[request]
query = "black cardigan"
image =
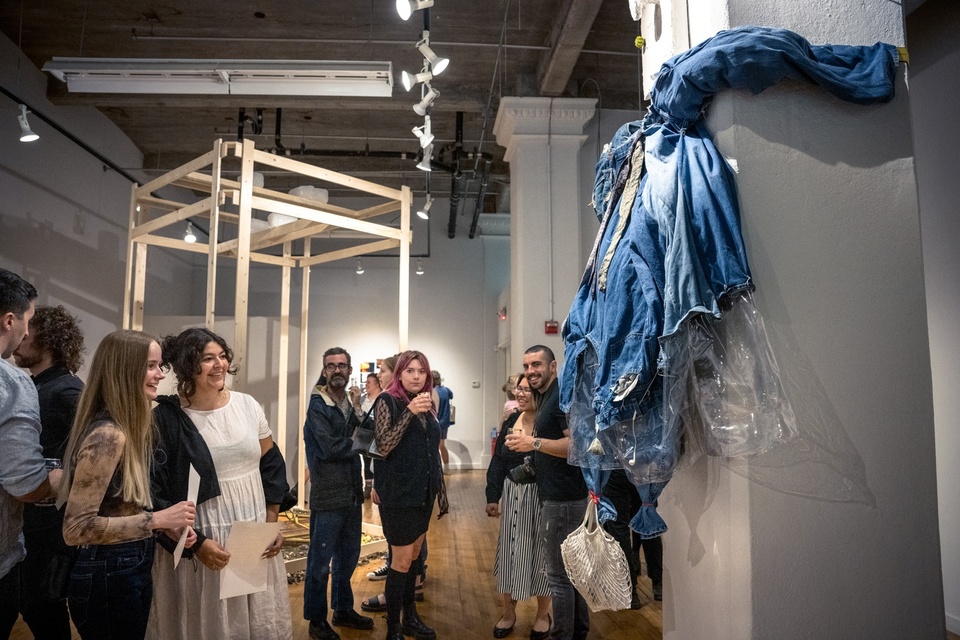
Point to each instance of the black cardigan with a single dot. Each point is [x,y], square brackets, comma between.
[502,460]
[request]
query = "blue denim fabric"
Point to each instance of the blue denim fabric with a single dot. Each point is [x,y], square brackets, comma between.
[110,590]
[682,250]
[756,58]
[571,616]
[334,546]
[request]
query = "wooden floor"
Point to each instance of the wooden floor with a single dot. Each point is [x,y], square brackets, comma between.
[461,600]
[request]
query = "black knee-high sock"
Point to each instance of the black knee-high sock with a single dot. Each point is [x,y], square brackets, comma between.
[410,589]
[395,593]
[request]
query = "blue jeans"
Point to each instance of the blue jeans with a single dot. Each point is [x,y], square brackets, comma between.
[110,590]
[334,541]
[571,617]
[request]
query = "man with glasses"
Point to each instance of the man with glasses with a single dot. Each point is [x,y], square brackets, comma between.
[336,499]
[563,493]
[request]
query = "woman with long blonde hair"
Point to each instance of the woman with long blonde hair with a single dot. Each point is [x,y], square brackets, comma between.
[106,488]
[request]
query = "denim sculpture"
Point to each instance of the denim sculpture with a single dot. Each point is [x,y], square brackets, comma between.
[669,263]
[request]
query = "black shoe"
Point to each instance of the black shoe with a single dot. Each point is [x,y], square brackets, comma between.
[658,591]
[352,619]
[374,604]
[542,635]
[414,626]
[502,632]
[635,600]
[380,573]
[322,631]
[395,632]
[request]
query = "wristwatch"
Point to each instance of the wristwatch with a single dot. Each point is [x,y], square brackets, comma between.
[537,443]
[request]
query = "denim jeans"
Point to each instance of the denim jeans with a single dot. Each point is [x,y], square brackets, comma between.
[334,542]
[571,617]
[110,590]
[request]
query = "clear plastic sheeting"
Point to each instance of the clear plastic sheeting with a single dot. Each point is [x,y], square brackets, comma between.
[737,400]
[718,391]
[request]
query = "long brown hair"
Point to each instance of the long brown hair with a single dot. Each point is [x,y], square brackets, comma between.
[114,392]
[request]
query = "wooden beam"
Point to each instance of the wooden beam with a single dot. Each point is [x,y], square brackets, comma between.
[326,218]
[210,306]
[350,252]
[569,32]
[201,207]
[404,296]
[128,270]
[284,360]
[172,176]
[304,387]
[289,164]
[242,293]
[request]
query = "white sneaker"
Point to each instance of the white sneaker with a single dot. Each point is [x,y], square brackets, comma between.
[379,574]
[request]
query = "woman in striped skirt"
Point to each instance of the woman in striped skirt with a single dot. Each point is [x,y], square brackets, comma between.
[520,566]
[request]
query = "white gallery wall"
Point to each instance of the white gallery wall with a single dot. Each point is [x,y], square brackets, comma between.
[934,93]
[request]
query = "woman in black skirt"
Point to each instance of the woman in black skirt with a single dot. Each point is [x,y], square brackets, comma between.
[408,480]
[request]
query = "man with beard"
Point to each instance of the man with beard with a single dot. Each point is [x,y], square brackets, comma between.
[53,352]
[23,475]
[336,499]
[563,493]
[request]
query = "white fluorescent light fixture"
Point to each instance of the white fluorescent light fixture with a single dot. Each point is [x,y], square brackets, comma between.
[437,64]
[26,134]
[421,107]
[189,236]
[424,133]
[409,79]
[425,211]
[406,7]
[225,77]
[419,268]
[424,164]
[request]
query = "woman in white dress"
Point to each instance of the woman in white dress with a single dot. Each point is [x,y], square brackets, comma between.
[223,434]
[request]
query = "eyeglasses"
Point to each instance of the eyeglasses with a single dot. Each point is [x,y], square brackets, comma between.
[523,390]
[339,366]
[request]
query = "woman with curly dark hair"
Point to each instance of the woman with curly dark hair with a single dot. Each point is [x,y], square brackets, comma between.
[223,434]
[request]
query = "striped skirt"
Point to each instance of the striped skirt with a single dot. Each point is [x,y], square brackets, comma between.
[521,566]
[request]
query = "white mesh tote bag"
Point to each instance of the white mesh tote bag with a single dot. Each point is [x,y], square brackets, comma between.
[596,564]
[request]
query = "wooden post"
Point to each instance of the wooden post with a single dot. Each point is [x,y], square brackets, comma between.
[304,384]
[241,305]
[284,353]
[214,238]
[404,302]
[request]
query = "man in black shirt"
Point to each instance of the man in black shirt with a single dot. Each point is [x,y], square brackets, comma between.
[563,493]
[53,352]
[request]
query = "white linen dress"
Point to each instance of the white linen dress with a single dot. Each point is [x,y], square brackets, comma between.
[186,601]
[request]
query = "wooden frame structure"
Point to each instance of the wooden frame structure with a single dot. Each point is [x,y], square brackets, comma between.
[150,214]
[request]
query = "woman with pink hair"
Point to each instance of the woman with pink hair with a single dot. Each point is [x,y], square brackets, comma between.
[409,479]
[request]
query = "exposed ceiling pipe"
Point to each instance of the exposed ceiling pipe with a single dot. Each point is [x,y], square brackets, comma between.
[484,180]
[276,132]
[456,185]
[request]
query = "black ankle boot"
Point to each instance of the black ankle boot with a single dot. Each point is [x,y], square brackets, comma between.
[414,626]
[395,632]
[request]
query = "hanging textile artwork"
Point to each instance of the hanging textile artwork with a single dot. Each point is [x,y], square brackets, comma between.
[664,349]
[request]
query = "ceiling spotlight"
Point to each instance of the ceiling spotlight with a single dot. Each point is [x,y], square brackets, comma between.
[26,135]
[406,7]
[437,64]
[419,268]
[424,133]
[424,164]
[359,267]
[189,235]
[421,107]
[425,211]
[409,79]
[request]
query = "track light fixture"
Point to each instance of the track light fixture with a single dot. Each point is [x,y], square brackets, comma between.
[419,268]
[410,79]
[26,134]
[189,236]
[437,64]
[424,164]
[359,267]
[406,7]
[425,211]
[424,133]
[421,107]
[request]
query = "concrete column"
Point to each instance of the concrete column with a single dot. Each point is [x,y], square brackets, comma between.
[543,138]
[831,224]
